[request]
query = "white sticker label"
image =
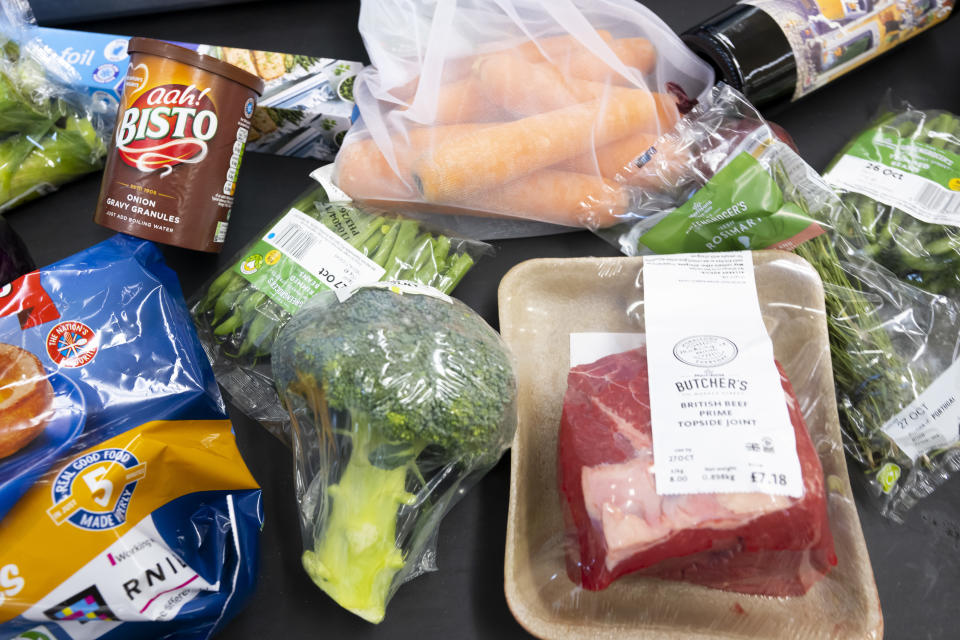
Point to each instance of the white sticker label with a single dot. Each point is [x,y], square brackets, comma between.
[138,577]
[717,408]
[920,197]
[320,251]
[399,287]
[220,235]
[324,175]
[932,421]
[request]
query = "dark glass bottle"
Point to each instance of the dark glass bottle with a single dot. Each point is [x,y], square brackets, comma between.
[774,50]
[749,51]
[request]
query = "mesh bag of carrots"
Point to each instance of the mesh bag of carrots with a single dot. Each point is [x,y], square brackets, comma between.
[723,180]
[313,246]
[523,109]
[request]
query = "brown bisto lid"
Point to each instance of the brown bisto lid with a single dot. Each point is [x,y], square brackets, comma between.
[186,56]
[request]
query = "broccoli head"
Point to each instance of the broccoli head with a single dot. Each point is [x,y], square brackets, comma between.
[416,392]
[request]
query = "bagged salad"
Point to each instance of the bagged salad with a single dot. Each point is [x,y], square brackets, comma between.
[518,108]
[723,181]
[900,178]
[313,246]
[125,508]
[50,132]
[400,398]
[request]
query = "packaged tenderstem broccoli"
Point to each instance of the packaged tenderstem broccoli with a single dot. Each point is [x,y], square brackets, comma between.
[900,178]
[50,132]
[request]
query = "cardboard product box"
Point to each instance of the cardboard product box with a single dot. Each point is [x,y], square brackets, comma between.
[306,107]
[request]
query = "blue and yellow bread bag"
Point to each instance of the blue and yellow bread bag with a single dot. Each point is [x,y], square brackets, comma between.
[126,510]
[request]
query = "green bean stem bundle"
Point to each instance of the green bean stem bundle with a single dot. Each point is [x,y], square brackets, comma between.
[245,321]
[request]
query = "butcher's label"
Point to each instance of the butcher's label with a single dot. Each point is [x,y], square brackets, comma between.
[300,256]
[917,176]
[717,407]
[930,421]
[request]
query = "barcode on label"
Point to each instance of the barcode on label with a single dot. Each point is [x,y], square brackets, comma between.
[329,261]
[294,240]
[914,194]
[934,197]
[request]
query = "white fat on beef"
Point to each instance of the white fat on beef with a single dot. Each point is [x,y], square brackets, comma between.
[622,497]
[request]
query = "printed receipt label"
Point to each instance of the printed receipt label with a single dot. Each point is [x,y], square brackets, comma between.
[718,409]
[930,421]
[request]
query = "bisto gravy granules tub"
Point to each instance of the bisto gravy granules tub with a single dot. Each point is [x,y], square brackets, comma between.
[177,145]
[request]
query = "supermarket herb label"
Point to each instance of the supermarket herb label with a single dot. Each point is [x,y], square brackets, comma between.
[931,421]
[741,208]
[919,178]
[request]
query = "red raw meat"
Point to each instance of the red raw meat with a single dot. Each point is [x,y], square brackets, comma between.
[746,542]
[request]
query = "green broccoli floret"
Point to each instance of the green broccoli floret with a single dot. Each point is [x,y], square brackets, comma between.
[424,387]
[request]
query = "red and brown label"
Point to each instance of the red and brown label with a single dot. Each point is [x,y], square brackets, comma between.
[177,145]
[167,126]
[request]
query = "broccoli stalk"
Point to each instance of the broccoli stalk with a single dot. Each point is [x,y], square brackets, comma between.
[410,394]
[357,559]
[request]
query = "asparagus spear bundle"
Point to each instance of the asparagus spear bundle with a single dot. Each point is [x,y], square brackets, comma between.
[239,316]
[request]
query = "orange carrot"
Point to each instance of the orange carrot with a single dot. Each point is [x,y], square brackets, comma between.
[560,197]
[521,87]
[612,160]
[364,173]
[667,113]
[637,53]
[456,69]
[554,47]
[480,160]
[464,101]
[524,88]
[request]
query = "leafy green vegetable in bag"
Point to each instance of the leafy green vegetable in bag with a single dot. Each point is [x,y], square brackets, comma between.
[47,136]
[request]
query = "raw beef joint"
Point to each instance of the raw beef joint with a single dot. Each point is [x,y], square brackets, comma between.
[747,542]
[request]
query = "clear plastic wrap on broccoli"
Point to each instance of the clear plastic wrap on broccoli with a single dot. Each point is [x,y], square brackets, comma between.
[399,401]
